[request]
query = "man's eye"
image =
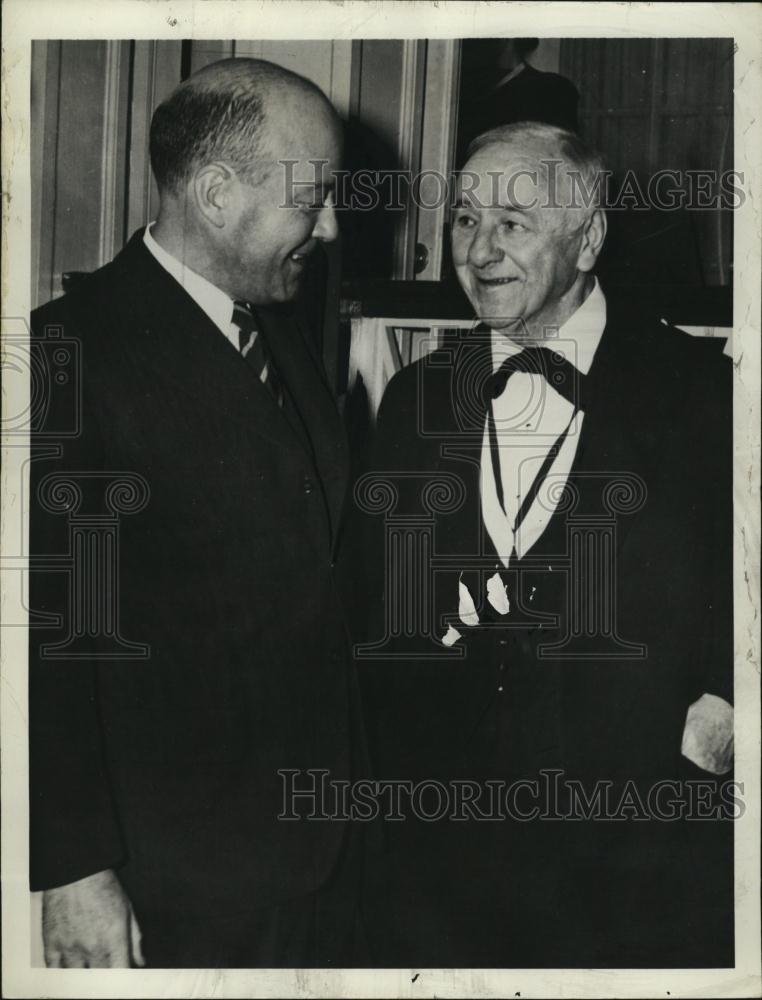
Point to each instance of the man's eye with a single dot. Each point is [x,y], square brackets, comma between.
[513,226]
[464,222]
[313,207]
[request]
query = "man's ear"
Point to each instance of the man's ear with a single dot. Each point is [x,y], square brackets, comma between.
[212,192]
[593,236]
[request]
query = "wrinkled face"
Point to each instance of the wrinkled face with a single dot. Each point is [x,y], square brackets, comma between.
[279,217]
[516,255]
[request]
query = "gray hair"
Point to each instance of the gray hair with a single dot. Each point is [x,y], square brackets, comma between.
[219,113]
[581,160]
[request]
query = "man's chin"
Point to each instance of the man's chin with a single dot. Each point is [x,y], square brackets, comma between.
[496,313]
[503,321]
[287,293]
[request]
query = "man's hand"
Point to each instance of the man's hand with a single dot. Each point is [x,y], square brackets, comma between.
[89,924]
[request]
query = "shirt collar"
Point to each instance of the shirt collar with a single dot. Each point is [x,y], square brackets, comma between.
[584,328]
[510,75]
[217,305]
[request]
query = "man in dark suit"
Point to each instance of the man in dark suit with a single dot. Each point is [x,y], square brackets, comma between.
[188,642]
[567,633]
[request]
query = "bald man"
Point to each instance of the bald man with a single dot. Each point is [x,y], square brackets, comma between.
[158,731]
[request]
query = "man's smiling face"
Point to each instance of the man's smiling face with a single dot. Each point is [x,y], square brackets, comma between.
[278,221]
[516,257]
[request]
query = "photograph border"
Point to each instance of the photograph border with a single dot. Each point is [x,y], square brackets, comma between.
[25,20]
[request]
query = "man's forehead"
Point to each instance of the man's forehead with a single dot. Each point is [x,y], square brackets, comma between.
[300,136]
[513,158]
[505,172]
[306,157]
[522,152]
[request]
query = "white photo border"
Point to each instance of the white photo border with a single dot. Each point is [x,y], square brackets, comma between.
[24,20]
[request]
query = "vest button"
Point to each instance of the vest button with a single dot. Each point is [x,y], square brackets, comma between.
[308,486]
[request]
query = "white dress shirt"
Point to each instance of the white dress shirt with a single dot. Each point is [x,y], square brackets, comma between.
[529,417]
[217,305]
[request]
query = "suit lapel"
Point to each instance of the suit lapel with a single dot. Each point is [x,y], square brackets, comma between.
[625,417]
[453,407]
[313,402]
[187,350]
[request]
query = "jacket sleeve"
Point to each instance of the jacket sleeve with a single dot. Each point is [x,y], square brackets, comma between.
[73,826]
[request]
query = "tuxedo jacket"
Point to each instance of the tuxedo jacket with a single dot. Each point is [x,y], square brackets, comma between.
[173,677]
[592,678]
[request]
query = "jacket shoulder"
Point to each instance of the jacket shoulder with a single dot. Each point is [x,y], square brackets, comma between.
[92,294]
[689,357]
[427,380]
[685,379]
[673,348]
[110,289]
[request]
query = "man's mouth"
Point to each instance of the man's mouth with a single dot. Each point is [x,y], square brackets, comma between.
[302,254]
[494,281]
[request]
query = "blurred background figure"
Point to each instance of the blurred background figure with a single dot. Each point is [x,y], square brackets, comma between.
[499,86]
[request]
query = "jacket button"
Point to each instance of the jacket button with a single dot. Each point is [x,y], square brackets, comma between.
[308,485]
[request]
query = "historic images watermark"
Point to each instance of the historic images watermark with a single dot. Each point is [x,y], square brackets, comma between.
[90,503]
[585,624]
[312,795]
[555,185]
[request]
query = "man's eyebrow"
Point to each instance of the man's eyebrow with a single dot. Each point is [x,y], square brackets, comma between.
[475,203]
[307,187]
[521,209]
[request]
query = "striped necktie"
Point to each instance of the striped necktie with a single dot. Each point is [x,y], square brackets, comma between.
[251,344]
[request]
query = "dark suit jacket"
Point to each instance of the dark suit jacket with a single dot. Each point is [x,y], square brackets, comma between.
[655,460]
[164,764]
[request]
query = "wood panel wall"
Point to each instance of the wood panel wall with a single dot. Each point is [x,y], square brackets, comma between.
[663,103]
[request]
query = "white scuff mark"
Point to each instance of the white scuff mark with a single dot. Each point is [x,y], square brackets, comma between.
[451,636]
[708,734]
[497,594]
[466,607]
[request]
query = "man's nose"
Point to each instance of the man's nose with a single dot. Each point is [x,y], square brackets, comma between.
[484,247]
[326,228]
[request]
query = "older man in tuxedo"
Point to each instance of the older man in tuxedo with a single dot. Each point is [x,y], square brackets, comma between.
[172,680]
[575,634]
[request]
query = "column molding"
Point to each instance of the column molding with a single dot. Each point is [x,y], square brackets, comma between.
[440,119]
[113,165]
[409,147]
[155,73]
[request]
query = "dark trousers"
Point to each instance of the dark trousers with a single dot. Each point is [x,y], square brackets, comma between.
[319,930]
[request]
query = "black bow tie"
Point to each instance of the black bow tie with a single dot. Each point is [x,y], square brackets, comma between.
[559,373]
